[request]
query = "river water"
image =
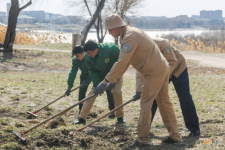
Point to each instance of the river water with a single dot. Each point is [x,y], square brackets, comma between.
[108,38]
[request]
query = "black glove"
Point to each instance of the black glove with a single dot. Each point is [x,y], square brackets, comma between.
[110,86]
[137,96]
[99,90]
[84,83]
[68,91]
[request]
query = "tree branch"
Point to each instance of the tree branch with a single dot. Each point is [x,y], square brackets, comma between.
[101,27]
[104,34]
[85,1]
[97,30]
[29,3]
[91,22]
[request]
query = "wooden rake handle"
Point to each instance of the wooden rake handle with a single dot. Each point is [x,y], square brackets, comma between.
[54,101]
[79,130]
[59,114]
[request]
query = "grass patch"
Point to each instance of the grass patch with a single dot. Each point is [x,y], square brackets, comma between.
[53,46]
[5,109]
[11,145]
[48,113]
[3,122]
[39,84]
[48,108]
[15,97]
[23,92]
[9,128]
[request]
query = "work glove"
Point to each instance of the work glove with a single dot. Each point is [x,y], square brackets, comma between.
[99,90]
[84,83]
[137,96]
[110,86]
[68,91]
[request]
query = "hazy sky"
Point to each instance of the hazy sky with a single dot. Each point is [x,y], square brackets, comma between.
[169,8]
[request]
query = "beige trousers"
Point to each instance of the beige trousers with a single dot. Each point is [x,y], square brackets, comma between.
[117,96]
[156,87]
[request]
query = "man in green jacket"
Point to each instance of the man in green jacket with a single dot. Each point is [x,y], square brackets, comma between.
[85,79]
[99,59]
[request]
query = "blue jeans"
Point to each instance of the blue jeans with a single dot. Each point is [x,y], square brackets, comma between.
[181,85]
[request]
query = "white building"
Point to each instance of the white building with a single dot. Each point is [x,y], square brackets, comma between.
[212,15]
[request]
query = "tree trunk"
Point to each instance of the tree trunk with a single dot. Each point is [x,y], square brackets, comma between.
[75,41]
[98,27]
[89,25]
[11,30]
[12,21]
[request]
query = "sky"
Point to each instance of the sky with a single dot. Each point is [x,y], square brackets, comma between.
[168,8]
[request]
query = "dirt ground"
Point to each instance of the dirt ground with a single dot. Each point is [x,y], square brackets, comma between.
[206,59]
[31,79]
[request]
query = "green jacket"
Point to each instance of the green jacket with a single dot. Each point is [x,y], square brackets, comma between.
[72,75]
[100,65]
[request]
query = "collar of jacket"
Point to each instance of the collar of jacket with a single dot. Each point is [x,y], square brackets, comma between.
[122,33]
[100,51]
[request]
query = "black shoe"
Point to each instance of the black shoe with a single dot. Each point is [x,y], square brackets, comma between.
[195,133]
[121,120]
[150,134]
[137,144]
[135,132]
[80,121]
[112,115]
[169,141]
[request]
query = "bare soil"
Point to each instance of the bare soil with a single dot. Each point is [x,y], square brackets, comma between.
[32,79]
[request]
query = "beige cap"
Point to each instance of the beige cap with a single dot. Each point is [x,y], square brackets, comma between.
[113,21]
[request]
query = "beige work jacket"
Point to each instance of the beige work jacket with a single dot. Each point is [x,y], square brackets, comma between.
[139,50]
[174,57]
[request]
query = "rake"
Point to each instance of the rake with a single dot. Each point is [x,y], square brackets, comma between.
[34,113]
[79,130]
[19,135]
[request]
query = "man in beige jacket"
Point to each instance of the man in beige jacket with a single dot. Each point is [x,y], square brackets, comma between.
[139,50]
[179,78]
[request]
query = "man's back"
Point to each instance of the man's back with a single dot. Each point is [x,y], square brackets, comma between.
[181,64]
[147,56]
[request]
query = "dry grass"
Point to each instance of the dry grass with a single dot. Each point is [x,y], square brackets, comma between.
[46,46]
[22,90]
[198,45]
[208,41]
[24,38]
[21,38]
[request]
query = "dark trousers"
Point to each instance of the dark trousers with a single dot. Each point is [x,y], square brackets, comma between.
[110,100]
[181,85]
[82,93]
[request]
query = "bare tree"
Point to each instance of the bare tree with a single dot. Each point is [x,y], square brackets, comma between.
[120,7]
[85,4]
[12,22]
[98,24]
[94,17]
